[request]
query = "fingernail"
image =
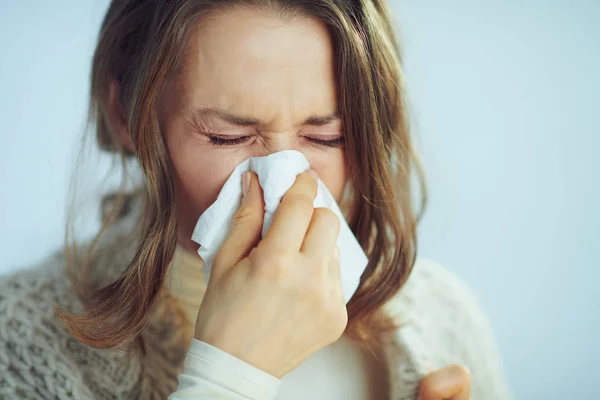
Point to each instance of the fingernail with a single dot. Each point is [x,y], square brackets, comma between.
[245,183]
[312,173]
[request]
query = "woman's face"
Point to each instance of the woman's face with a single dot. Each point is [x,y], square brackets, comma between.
[252,84]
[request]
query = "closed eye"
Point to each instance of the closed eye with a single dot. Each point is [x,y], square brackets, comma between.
[337,142]
[222,141]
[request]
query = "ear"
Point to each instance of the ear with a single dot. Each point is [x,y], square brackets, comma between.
[116,117]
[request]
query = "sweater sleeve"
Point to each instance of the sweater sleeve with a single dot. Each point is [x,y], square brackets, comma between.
[211,373]
[445,324]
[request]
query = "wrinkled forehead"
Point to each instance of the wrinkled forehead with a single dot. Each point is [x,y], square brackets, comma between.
[251,62]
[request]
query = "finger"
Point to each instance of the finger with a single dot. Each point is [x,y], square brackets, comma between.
[322,233]
[293,216]
[321,241]
[450,383]
[245,231]
[335,272]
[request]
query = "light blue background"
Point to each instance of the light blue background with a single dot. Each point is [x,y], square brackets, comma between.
[506,104]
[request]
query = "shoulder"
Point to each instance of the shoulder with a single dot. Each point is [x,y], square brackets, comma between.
[442,323]
[38,357]
[32,340]
[434,293]
[33,289]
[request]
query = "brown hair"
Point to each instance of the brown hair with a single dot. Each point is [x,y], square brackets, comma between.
[142,42]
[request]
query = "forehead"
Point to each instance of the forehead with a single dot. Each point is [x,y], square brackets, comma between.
[253,62]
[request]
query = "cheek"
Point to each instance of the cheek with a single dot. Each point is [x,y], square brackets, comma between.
[201,178]
[331,169]
[200,173]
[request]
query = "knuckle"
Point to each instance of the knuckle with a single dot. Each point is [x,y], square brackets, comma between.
[329,217]
[268,265]
[246,215]
[303,204]
[255,256]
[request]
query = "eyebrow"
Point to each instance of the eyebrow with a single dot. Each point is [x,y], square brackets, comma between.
[316,120]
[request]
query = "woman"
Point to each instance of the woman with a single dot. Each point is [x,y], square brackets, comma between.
[190,89]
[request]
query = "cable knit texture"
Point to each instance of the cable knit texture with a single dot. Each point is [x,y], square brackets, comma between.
[442,324]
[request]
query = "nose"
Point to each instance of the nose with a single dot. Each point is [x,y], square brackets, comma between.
[274,142]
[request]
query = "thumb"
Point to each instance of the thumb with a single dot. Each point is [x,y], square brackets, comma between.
[246,228]
[450,383]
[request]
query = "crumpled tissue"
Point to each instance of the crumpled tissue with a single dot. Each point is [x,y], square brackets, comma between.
[276,173]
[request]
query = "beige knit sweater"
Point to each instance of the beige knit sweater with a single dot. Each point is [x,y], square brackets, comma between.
[442,324]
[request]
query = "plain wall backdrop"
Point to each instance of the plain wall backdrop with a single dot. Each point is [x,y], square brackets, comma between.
[505,101]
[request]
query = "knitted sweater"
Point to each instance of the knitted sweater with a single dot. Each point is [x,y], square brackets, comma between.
[442,323]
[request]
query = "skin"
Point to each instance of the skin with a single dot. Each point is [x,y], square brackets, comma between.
[267,85]
[232,63]
[449,383]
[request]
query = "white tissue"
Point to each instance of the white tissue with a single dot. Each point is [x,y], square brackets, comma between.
[276,173]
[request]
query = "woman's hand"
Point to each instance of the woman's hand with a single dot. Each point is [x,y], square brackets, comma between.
[450,383]
[274,302]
